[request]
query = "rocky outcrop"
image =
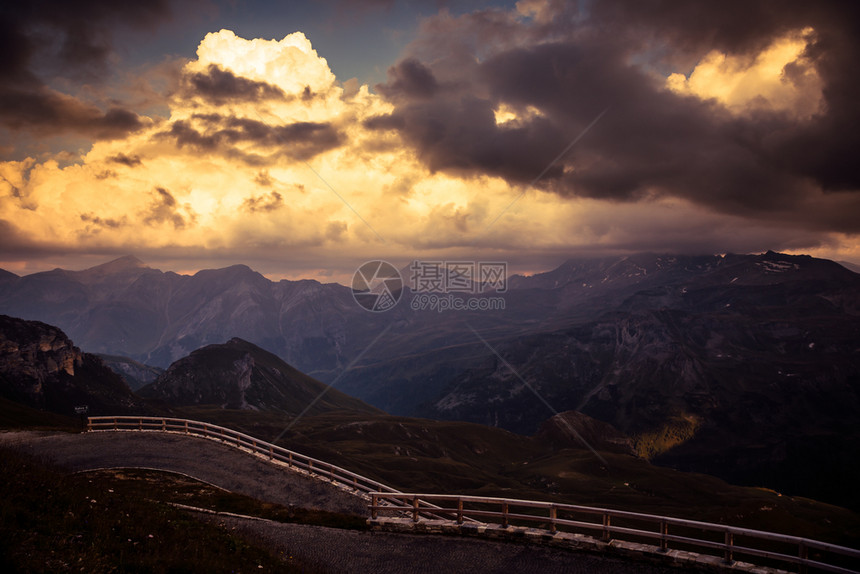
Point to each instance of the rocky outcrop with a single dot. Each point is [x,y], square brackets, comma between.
[41,368]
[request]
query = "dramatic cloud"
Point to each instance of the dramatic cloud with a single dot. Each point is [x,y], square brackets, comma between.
[739,132]
[163,209]
[71,40]
[301,140]
[524,135]
[126,160]
[409,79]
[46,111]
[269,202]
[220,86]
[819,148]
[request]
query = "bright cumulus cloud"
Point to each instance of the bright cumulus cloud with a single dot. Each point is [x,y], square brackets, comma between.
[778,78]
[264,155]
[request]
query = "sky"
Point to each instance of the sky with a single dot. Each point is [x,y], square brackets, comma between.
[303,139]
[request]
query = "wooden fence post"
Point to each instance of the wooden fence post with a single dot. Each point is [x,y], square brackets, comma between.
[505,514]
[606,524]
[553,515]
[664,531]
[459,510]
[374,502]
[414,509]
[729,542]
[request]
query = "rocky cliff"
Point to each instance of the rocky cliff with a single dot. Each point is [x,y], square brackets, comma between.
[41,368]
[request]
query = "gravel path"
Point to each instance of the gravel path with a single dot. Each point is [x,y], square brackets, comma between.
[203,459]
[326,550]
[335,550]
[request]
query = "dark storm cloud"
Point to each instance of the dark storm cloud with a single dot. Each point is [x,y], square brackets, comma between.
[77,32]
[651,142]
[96,223]
[214,132]
[734,26]
[219,86]
[45,111]
[69,39]
[823,150]
[126,160]
[263,203]
[409,78]
[17,244]
[164,210]
[264,179]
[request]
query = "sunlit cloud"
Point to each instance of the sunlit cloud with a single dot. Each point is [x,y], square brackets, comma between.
[778,78]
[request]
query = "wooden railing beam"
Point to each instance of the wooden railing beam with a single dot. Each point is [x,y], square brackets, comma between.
[454,506]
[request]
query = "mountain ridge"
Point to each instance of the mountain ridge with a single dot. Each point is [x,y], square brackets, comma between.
[239,375]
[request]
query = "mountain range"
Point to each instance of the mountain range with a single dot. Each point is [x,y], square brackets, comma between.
[238,385]
[744,366]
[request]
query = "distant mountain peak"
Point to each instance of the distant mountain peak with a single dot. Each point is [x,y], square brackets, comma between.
[241,375]
[117,265]
[121,266]
[123,263]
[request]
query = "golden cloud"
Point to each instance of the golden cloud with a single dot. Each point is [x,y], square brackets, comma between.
[778,78]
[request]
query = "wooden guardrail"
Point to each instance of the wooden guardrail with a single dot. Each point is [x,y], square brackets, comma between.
[292,459]
[607,524]
[197,428]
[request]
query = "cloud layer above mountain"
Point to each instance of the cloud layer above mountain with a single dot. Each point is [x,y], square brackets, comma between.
[524,134]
